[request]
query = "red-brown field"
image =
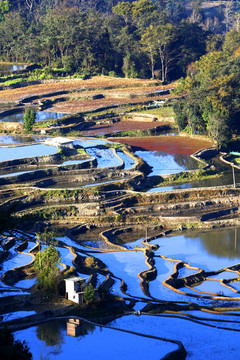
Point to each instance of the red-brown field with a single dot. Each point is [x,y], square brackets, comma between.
[99,130]
[170,144]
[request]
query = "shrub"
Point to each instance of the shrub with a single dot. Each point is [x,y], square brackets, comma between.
[89,294]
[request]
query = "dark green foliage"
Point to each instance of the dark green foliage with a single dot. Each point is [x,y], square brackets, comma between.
[70,41]
[212,95]
[77,37]
[89,294]
[46,268]
[11,349]
[180,114]
[29,119]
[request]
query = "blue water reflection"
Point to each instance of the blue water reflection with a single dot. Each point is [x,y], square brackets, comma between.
[50,341]
[163,163]
[40,116]
[21,152]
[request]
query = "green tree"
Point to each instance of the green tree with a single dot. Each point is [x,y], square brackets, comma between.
[4,8]
[46,267]
[29,119]
[123,9]
[89,294]
[211,97]
[14,39]
[165,35]
[231,43]
[148,41]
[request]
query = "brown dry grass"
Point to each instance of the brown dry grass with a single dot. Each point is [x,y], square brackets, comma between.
[96,82]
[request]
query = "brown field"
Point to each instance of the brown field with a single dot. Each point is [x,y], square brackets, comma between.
[97,82]
[79,105]
[99,130]
[170,144]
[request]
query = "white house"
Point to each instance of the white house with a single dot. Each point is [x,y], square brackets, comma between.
[60,142]
[75,289]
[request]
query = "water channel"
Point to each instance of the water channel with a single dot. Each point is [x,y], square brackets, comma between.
[8,67]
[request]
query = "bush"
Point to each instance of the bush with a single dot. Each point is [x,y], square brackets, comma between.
[89,294]
[112,74]
[29,119]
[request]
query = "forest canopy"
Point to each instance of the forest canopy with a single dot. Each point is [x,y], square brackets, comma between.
[144,38]
[212,93]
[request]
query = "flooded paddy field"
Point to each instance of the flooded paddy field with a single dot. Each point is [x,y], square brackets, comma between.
[18,139]
[163,163]
[175,288]
[210,251]
[172,145]
[22,152]
[10,67]
[40,116]
[54,340]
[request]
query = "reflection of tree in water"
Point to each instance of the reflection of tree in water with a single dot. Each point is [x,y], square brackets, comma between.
[52,333]
[86,328]
[224,243]
[160,153]
[186,161]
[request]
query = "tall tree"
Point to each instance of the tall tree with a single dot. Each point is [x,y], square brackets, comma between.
[46,268]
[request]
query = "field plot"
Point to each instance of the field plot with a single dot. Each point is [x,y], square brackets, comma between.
[168,144]
[98,82]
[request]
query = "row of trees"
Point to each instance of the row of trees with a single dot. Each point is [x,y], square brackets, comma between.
[211,104]
[138,39]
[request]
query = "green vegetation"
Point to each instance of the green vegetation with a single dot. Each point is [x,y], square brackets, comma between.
[144,38]
[212,90]
[51,213]
[46,267]
[47,237]
[89,294]
[29,119]
[82,152]
[160,112]
[184,177]
[91,262]
[235,159]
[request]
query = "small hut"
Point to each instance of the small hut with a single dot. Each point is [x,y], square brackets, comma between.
[75,289]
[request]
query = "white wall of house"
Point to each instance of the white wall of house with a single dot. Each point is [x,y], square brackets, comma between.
[73,290]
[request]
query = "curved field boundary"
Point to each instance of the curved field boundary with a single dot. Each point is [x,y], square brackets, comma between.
[112,246]
[147,275]
[228,162]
